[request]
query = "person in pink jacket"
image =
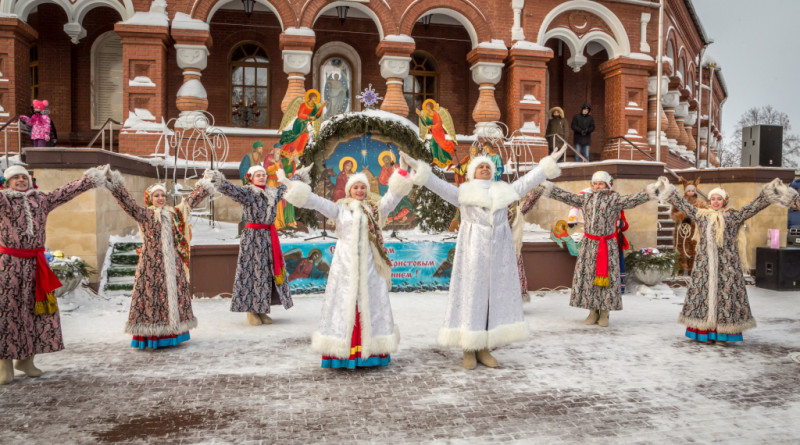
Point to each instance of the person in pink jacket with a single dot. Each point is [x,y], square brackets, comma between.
[40,124]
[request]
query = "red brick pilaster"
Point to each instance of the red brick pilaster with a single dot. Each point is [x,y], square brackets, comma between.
[16,37]
[625,106]
[526,74]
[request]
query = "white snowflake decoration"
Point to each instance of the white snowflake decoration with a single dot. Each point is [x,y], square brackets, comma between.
[369,97]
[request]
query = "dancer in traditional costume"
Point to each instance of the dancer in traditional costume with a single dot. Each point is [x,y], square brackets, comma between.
[161,304]
[716,306]
[260,273]
[596,283]
[29,319]
[357,327]
[484,313]
[685,228]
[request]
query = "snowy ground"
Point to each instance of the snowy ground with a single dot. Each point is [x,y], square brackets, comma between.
[637,381]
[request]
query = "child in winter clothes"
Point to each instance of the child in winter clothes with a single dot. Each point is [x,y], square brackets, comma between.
[716,306]
[483,314]
[356,328]
[40,124]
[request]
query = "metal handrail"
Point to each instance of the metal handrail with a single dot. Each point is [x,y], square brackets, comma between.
[677,176]
[567,144]
[5,135]
[100,133]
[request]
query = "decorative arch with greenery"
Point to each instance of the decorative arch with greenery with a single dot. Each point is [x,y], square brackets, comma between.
[435,214]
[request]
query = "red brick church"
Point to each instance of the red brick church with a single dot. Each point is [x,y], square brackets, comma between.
[143,63]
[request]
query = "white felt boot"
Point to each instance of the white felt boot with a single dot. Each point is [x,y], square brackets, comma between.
[265,318]
[592,318]
[6,371]
[253,319]
[603,320]
[486,358]
[27,367]
[470,362]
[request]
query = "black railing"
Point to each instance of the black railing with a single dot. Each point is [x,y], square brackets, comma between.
[101,133]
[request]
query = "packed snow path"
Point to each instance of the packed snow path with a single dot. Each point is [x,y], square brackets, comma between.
[639,380]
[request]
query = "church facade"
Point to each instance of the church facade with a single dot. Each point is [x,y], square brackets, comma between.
[144,63]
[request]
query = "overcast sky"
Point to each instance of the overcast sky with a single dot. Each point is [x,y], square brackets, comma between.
[756,43]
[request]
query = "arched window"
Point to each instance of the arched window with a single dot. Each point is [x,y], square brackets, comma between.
[106,79]
[671,51]
[682,70]
[422,82]
[690,83]
[249,86]
[336,85]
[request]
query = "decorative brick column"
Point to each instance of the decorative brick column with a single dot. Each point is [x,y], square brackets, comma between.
[526,74]
[688,122]
[16,37]
[653,114]
[192,40]
[144,87]
[625,113]
[296,50]
[395,57]
[670,101]
[487,69]
[681,111]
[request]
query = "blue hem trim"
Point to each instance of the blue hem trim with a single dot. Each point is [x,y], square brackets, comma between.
[160,343]
[357,363]
[713,336]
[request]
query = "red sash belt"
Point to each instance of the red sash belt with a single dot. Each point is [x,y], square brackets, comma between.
[277,254]
[601,264]
[46,280]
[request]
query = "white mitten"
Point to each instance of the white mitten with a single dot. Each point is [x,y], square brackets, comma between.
[282,177]
[409,161]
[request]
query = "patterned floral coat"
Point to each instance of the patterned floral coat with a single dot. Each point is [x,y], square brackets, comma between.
[254,288]
[161,303]
[24,216]
[601,211]
[716,298]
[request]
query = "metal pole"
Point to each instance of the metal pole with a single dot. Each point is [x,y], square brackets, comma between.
[659,74]
[103,138]
[711,69]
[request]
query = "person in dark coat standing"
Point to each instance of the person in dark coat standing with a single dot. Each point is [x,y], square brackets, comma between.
[583,126]
[557,125]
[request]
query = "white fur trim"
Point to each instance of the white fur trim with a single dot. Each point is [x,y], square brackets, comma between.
[355,177]
[297,193]
[332,346]
[499,196]
[385,344]
[602,176]
[96,175]
[153,188]
[550,167]
[207,185]
[399,184]
[779,194]
[477,340]
[170,272]
[116,181]
[421,173]
[475,162]
[718,191]
[251,171]
[154,330]
[15,170]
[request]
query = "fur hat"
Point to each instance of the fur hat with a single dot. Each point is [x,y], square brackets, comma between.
[475,162]
[721,192]
[355,177]
[15,170]
[148,194]
[256,168]
[603,176]
[40,104]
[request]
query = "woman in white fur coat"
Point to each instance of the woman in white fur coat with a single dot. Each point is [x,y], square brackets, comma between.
[356,328]
[484,309]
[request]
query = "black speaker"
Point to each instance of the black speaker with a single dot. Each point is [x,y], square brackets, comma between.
[762,145]
[778,269]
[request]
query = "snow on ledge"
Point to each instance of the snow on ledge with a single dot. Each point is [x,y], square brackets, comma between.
[399,38]
[141,81]
[494,44]
[302,31]
[239,131]
[184,21]
[641,56]
[524,44]
[156,16]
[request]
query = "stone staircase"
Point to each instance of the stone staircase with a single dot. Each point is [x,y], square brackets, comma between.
[666,228]
[121,268]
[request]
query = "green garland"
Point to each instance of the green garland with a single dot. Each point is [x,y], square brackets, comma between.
[435,214]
